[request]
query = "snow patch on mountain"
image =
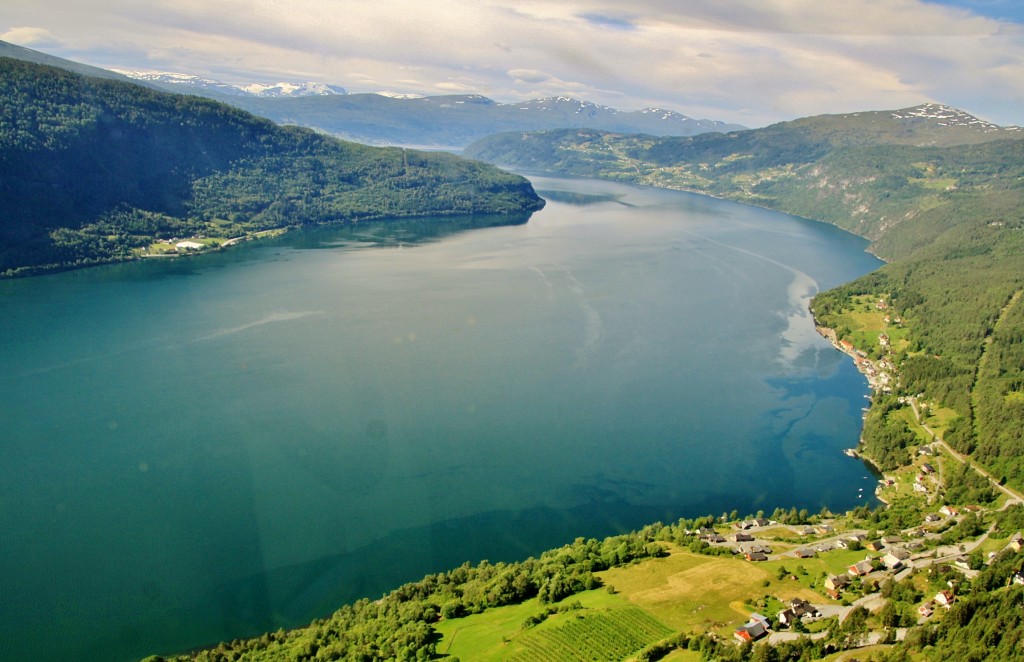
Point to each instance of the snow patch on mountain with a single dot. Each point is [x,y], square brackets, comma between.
[284,89]
[391,94]
[179,80]
[946,116]
[184,82]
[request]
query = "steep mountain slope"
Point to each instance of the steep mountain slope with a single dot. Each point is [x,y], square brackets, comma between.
[866,172]
[29,55]
[93,170]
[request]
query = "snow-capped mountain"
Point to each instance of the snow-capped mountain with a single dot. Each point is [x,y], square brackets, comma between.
[449,120]
[189,83]
[179,82]
[292,89]
[949,116]
[391,94]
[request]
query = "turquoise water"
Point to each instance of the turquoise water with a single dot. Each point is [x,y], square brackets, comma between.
[203,449]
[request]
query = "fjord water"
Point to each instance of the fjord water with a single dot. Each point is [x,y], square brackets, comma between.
[203,449]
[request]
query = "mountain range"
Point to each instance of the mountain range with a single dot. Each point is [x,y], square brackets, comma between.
[857,170]
[395,118]
[191,84]
[454,121]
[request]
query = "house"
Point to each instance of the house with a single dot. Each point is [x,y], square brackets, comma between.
[1016,542]
[892,540]
[753,630]
[743,537]
[756,556]
[874,545]
[802,607]
[803,553]
[760,548]
[895,558]
[834,593]
[750,632]
[860,569]
[945,598]
[716,537]
[787,617]
[751,523]
[927,609]
[932,517]
[824,529]
[949,511]
[927,468]
[806,531]
[962,563]
[1018,578]
[891,562]
[836,582]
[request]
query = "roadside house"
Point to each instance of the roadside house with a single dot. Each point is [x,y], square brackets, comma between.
[754,629]
[836,582]
[860,569]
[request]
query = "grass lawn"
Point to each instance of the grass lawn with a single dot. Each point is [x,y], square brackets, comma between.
[907,414]
[856,654]
[682,656]
[690,592]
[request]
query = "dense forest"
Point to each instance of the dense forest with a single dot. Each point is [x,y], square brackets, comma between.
[96,170]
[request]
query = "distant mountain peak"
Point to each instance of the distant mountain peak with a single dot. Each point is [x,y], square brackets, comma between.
[180,82]
[943,115]
[284,89]
[391,94]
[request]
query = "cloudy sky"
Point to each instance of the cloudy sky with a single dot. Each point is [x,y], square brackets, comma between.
[747,61]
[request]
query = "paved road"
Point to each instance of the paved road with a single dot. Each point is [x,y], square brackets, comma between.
[1013,495]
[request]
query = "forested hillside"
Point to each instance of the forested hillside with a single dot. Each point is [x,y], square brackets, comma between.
[96,170]
[941,196]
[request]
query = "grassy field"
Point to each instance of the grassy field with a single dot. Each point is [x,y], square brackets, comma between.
[493,634]
[609,634]
[696,593]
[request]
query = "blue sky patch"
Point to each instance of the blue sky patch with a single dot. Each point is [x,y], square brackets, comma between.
[1004,10]
[617,22]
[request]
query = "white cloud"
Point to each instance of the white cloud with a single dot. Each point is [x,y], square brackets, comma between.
[528,75]
[31,37]
[752,61]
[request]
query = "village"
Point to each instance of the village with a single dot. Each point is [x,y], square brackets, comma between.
[916,555]
[886,558]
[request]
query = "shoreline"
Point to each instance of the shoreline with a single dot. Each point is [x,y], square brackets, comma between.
[858,362]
